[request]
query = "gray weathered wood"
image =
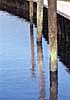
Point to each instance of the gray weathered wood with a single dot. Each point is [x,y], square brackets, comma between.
[39,19]
[52,33]
[31,10]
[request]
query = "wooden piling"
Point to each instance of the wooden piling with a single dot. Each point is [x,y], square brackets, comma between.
[52,33]
[52,29]
[39,19]
[31,11]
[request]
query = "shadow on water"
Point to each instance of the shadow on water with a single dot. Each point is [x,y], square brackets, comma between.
[64,41]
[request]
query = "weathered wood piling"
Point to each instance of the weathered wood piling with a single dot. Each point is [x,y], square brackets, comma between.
[31,11]
[52,33]
[39,19]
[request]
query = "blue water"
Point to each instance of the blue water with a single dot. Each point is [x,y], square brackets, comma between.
[16,80]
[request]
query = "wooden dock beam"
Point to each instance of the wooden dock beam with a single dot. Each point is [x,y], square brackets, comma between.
[39,19]
[52,29]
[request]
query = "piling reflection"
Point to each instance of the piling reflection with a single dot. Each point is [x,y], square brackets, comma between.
[32,48]
[53,86]
[41,73]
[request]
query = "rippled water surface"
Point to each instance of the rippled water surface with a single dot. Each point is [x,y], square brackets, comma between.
[21,76]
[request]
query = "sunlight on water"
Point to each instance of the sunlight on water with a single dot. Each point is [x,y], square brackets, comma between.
[20,78]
